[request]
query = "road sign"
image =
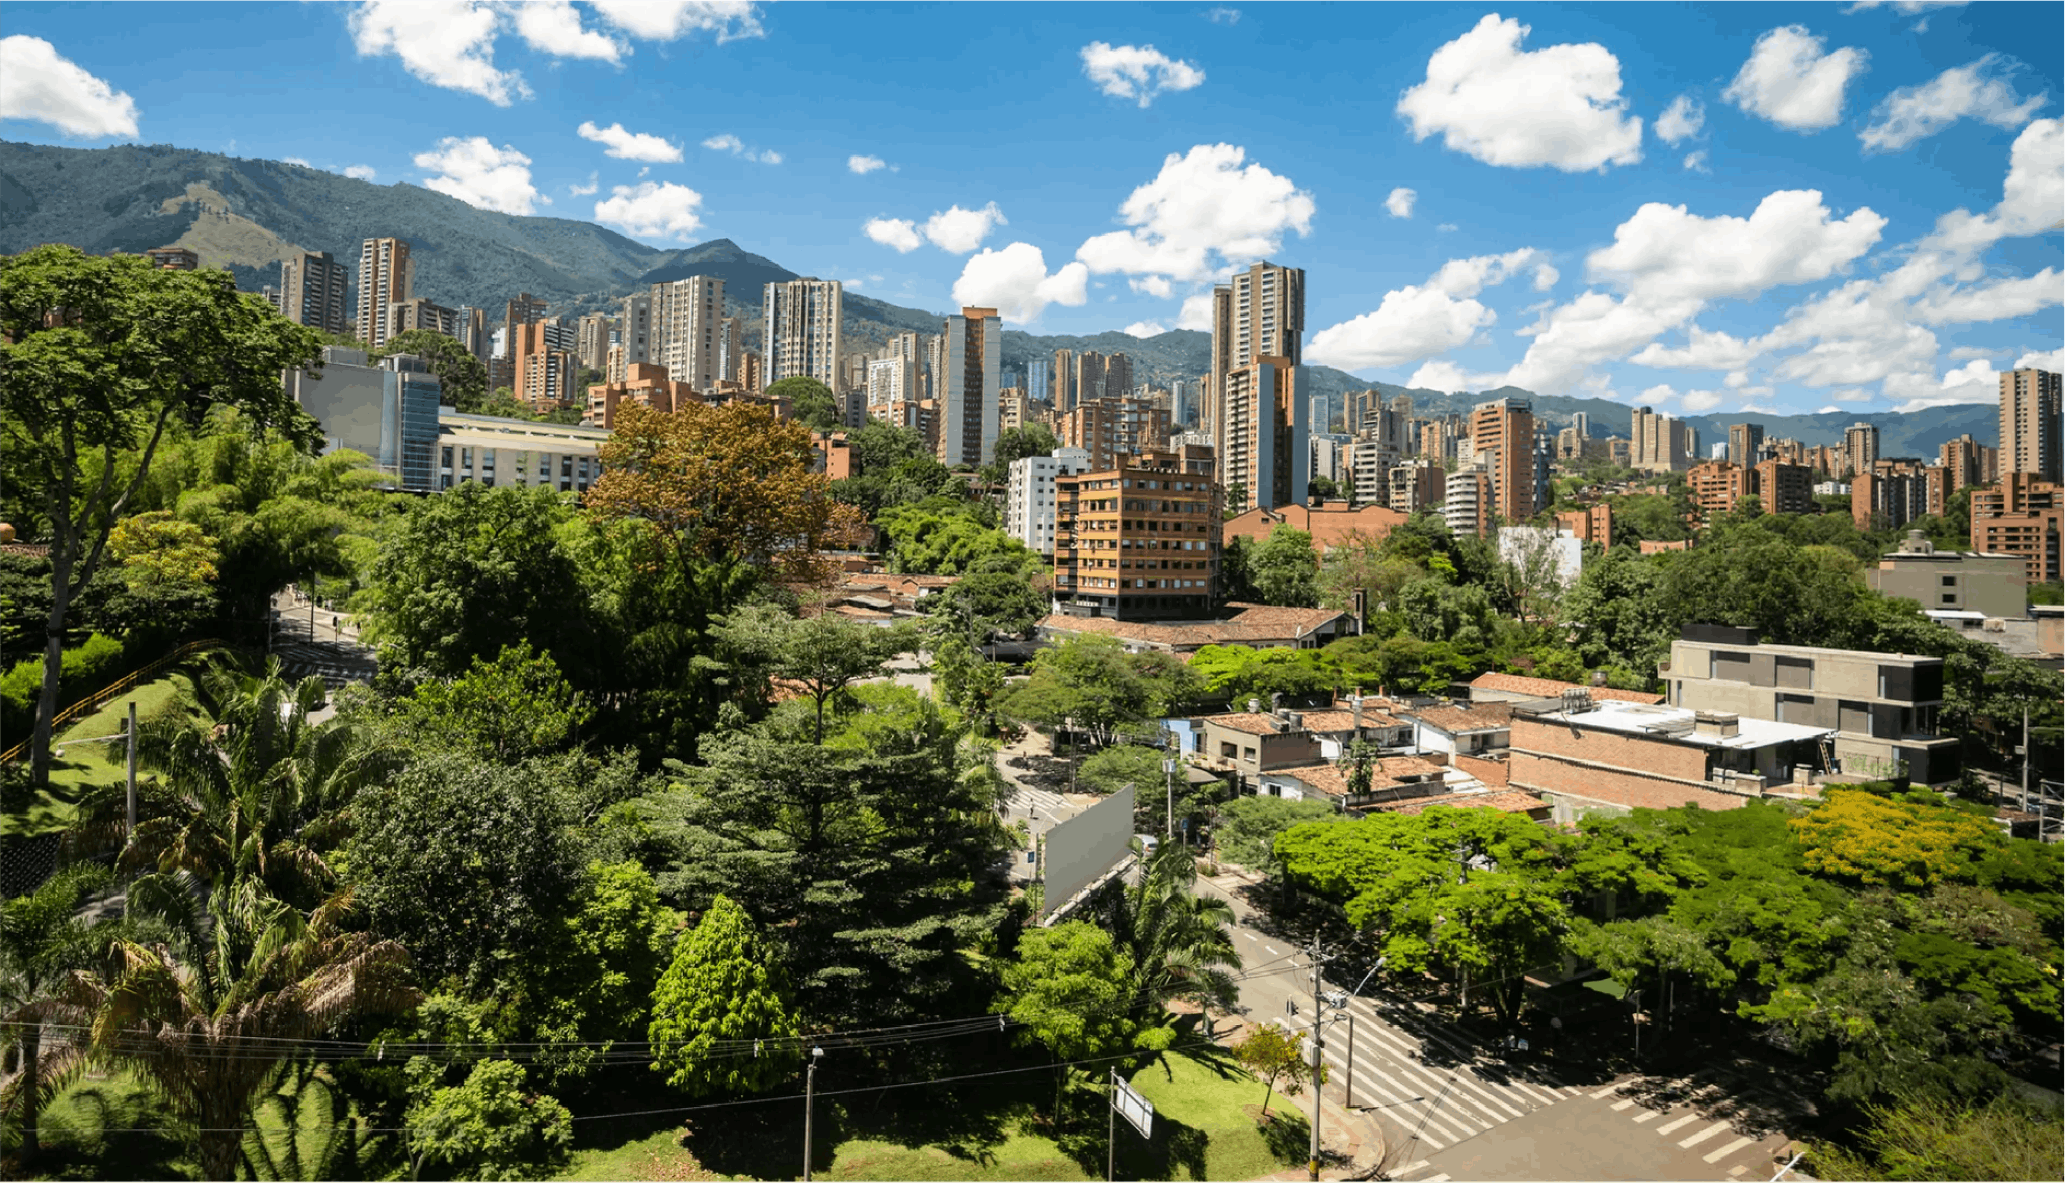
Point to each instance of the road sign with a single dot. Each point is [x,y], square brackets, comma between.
[1136,1109]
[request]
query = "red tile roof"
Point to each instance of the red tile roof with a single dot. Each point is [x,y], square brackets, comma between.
[1551,688]
[1476,716]
[1243,721]
[1505,801]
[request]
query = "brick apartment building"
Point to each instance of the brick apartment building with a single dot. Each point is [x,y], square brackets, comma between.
[1141,540]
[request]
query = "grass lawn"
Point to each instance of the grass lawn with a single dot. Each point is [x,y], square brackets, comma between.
[986,1129]
[85,766]
[114,1127]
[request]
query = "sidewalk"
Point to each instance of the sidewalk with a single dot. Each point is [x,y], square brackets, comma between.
[1352,1144]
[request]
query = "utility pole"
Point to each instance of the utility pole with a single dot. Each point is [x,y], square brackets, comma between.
[809,1105]
[1169,773]
[132,769]
[1318,1055]
[2024,803]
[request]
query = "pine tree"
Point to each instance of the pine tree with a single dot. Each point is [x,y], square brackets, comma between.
[722,986]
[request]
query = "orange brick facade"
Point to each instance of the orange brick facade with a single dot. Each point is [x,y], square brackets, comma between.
[1611,768]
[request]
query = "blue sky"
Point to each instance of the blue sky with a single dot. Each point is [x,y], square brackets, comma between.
[1704,208]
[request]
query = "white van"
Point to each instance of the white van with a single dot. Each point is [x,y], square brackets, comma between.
[1148,843]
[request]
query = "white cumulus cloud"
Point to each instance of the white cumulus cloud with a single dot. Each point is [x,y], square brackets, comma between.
[2054,361]
[631,145]
[1681,120]
[863,165]
[900,234]
[651,210]
[359,172]
[1015,282]
[959,231]
[1448,377]
[476,172]
[295,160]
[1145,328]
[1204,210]
[1560,106]
[554,27]
[39,85]
[447,43]
[1702,400]
[1696,161]
[1789,81]
[668,20]
[1420,321]
[1137,71]
[1976,90]
[1196,313]
[737,147]
[1400,203]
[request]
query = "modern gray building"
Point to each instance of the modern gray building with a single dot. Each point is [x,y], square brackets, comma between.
[388,411]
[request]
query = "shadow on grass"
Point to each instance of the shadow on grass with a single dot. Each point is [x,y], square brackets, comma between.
[108,1131]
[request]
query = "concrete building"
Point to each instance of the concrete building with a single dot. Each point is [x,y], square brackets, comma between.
[972,356]
[517,452]
[890,380]
[1266,456]
[1661,443]
[1503,430]
[1259,313]
[1860,448]
[1118,376]
[2021,516]
[1466,501]
[635,329]
[1593,524]
[385,277]
[525,309]
[643,384]
[1784,488]
[1527,546]
[418,313]
[1089,384]
[1716,485]
[1992,584]
[388,411]
[313,291]
[473,330]
[592,338]
[831,454]
[1482,729]
[685,325]
[1109,428]
[173,258]
[1141,540]
[1881,707]
[1039,379]
[545,367]
[1370,460]
[1063,391]
[1415,484]
[1030,494]
[731,347]
[752,372]
[1888,495]
[1330,456]
[1959,459]
[2029,418]
[800,330]
[1331,525]
[1745,443]
[1611,757]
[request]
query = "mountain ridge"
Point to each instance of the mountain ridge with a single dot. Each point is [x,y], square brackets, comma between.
[244,214]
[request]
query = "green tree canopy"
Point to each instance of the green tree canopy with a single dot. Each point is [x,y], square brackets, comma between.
[811,402]
[98,356]
[723,989]
[1284,569]
[462,379]
[490,1127]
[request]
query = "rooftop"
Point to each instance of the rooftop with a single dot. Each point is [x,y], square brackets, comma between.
[1503,800]
[1255,626]
[1680,724]
[1551,688]
[1466,717]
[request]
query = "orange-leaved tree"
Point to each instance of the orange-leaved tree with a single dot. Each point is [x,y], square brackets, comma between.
[726,483]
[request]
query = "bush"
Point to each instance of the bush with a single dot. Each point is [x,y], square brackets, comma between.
[86,668]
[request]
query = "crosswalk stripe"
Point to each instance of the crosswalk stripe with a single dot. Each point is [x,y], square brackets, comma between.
[1703,1135]
[1647,1115]
[1409,1168]
[1607,1091]
[1624,1103]
[1686,1120]
[1411,1103]
[1729,1149]
[1435,1179]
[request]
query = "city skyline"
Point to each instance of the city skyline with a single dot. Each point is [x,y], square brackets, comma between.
[1738,209]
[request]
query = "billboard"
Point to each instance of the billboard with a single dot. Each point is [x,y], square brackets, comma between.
[1086,846]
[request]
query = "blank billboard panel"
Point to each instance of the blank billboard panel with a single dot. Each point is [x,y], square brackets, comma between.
[1086,846]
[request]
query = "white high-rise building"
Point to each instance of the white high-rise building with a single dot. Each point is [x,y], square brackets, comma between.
[685,323]
[800,332]
[1029,496]
[386,276]
[635,328]
[890,380]
[973,360]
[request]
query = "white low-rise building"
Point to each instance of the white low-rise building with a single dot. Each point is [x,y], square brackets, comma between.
[1029,496]
[517,452]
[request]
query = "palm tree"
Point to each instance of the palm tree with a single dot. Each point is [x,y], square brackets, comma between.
[260,792]
[213,1015]
[43,942]
[1180,941]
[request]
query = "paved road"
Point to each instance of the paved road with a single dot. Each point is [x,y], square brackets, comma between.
[1453,1108]
[318,643]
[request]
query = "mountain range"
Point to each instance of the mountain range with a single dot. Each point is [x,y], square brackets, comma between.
[246,215]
